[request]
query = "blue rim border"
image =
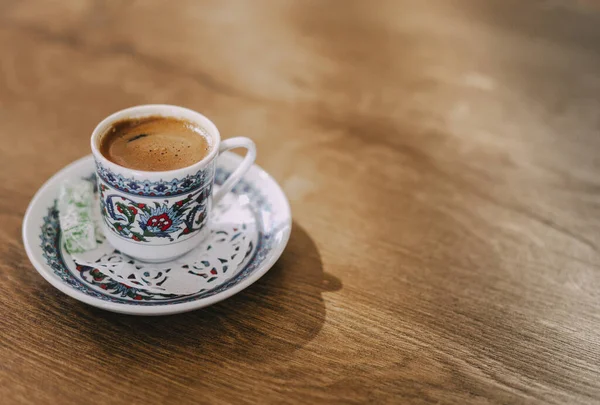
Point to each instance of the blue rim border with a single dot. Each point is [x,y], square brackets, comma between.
[160,188]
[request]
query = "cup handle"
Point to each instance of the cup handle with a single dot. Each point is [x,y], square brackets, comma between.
[232,143]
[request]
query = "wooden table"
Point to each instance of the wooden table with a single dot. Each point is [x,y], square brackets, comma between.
[442,160]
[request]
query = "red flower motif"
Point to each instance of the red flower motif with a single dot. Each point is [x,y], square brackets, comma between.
[140,205]
[133,210]
[137,297]
[186,231]
[179,203]
[103,286]
[119,209]
[161,221]
[135,238]
[119,228]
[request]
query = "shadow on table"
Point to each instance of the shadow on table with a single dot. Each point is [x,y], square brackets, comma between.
[280,313]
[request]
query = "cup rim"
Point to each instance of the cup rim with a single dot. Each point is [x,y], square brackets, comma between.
[165,110]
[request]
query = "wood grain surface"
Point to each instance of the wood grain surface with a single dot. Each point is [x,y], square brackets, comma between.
[442,160]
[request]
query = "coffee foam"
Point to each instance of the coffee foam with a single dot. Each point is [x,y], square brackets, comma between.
[155,143]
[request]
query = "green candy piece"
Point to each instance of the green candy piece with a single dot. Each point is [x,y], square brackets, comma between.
[75,204]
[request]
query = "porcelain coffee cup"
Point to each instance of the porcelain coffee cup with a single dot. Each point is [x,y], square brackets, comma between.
[159,216]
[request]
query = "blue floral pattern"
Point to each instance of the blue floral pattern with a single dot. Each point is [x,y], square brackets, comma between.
[50,237]
[142,222]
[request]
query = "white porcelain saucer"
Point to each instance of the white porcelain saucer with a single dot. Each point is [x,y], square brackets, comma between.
[248,234]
